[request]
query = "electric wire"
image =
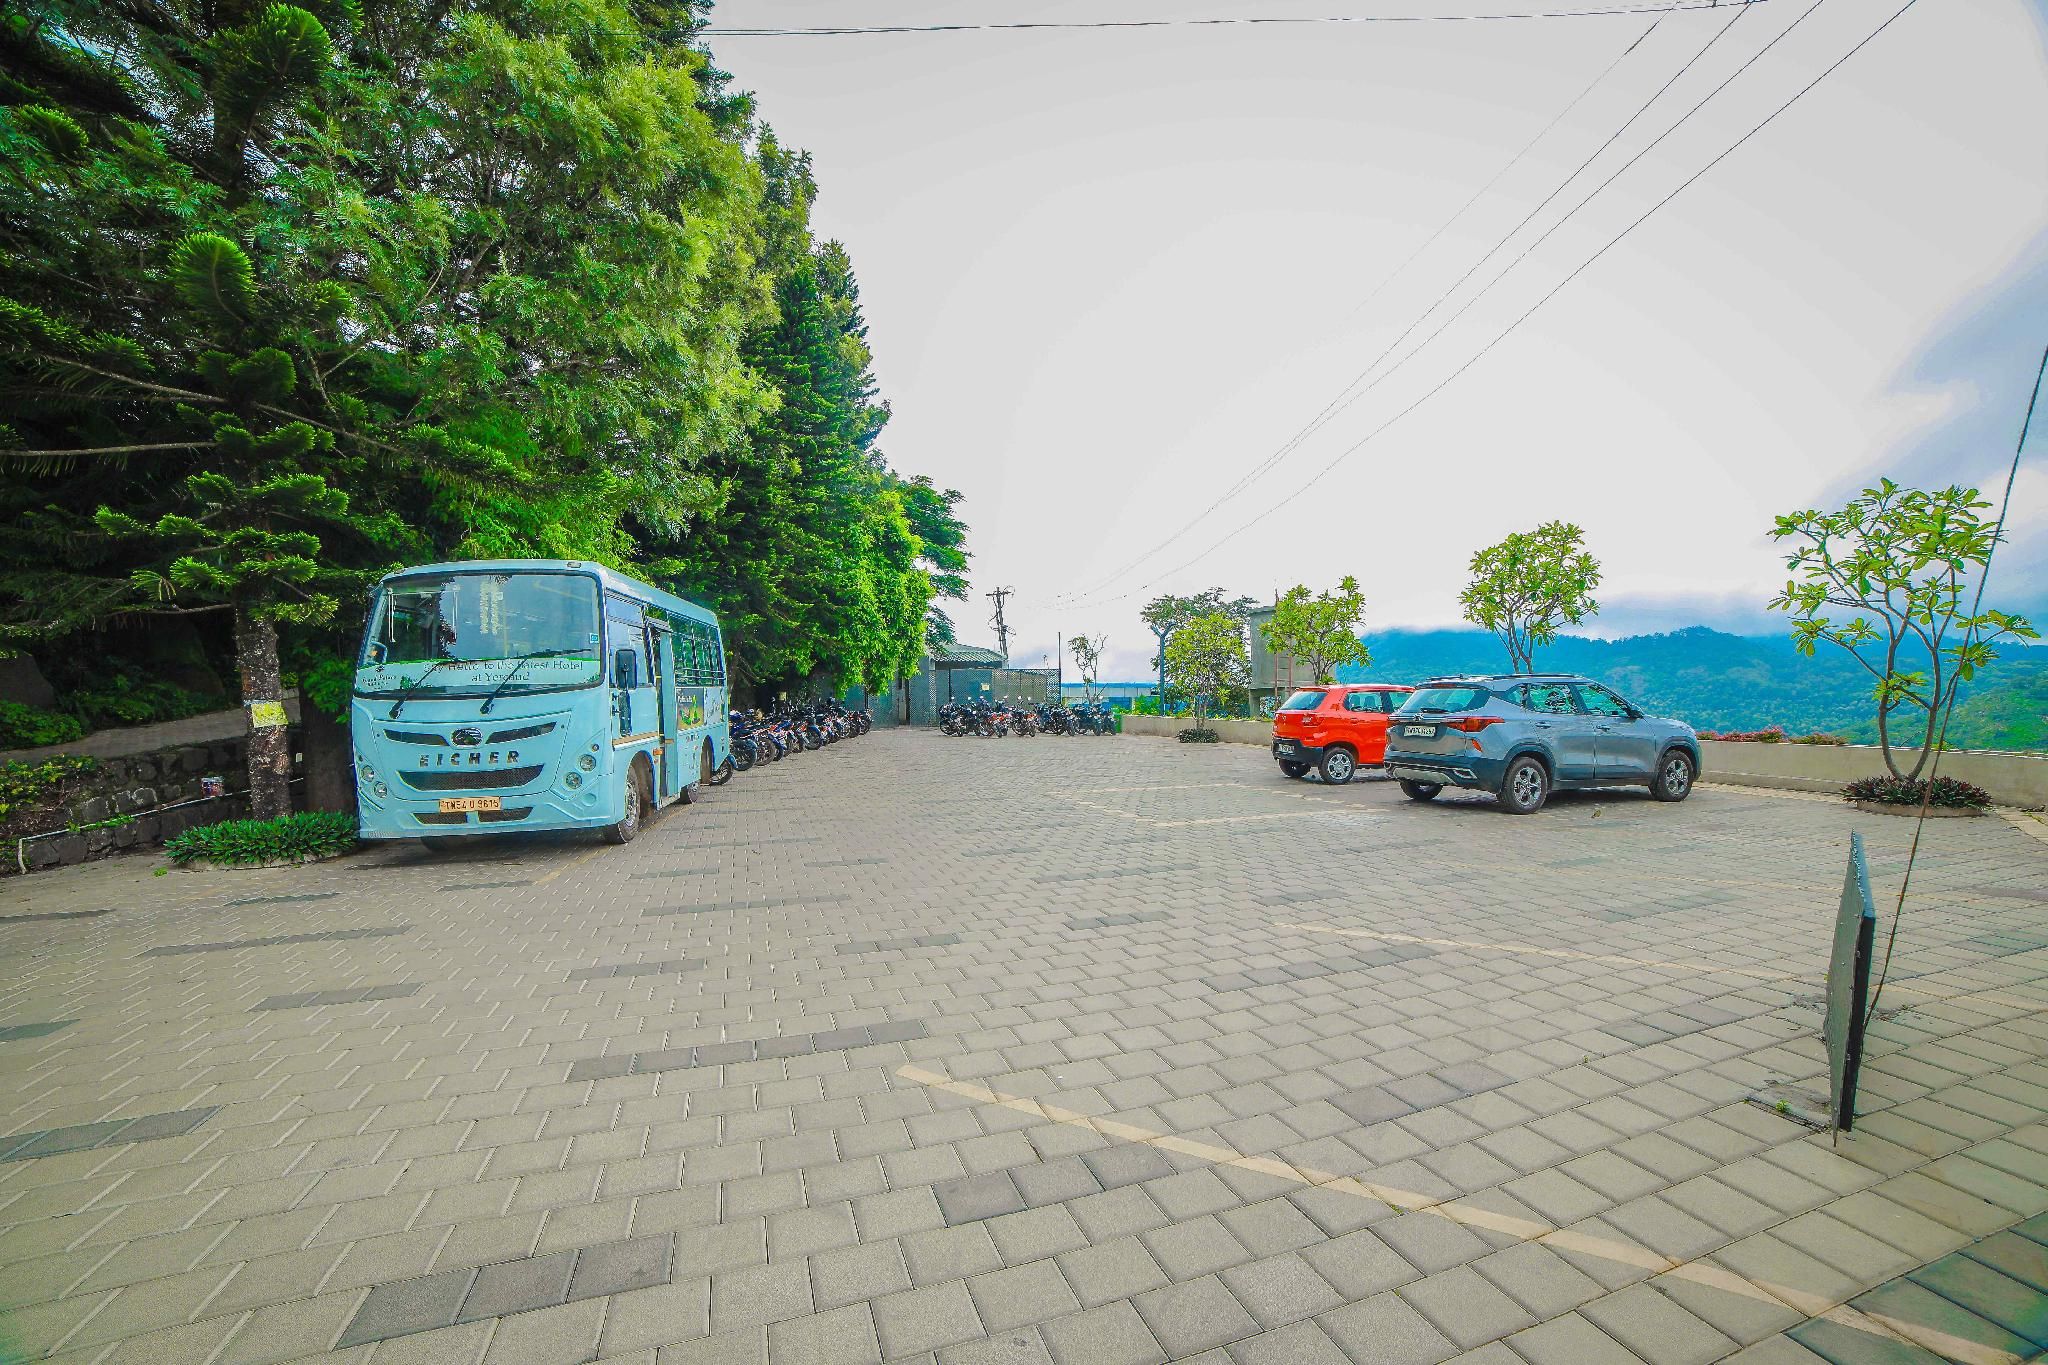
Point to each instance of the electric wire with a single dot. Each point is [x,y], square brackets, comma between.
[1345,396]
[2012,474]
[1329,409]
[1231,21]
[1554,290]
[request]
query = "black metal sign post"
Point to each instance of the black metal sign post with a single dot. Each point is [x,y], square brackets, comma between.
[1848,1000]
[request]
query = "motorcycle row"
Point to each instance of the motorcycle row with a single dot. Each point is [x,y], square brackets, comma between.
[769,737]
[989,719]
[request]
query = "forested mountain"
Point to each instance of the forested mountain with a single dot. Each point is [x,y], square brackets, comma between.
[1734,682]
[295,294]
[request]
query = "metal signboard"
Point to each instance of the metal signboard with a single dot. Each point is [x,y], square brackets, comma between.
[1849,987]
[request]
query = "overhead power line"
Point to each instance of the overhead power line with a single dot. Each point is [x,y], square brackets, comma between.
[1548,295]
[1346,395]
[1231,21]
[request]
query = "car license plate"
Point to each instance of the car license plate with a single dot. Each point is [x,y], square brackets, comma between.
[452,804]
[1419,731]
[1288,746]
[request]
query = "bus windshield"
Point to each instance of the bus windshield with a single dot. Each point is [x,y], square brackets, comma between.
[456,634]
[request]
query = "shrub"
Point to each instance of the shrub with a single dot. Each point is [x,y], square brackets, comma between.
[1910,791]
[1199,736]
[26,727]
[126,700]
[25,786]
[1774,734]
[242,843]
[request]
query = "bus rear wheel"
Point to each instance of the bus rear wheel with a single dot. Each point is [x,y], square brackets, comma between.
[693,790]
[622,830]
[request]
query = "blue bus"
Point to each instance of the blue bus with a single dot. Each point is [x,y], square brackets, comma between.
[500,695]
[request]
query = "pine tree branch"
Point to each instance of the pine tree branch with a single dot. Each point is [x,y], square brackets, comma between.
[105,450]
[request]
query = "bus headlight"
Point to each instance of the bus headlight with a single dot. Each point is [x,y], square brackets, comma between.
[572,781]
[587,763]
[365,771]
[381,789]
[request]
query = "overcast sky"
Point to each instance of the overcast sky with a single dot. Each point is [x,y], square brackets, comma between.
[1107,273]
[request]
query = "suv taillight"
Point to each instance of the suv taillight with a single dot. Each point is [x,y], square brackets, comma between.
[1472,725]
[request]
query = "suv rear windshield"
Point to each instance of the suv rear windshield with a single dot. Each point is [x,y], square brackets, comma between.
[1308,699]
[1446,699]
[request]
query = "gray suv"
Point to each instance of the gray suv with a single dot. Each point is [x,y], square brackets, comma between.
[1521,736]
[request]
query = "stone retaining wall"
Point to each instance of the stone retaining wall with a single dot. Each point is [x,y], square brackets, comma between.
[136,785]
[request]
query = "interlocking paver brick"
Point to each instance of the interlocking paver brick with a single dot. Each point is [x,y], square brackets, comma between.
[414,1305]
[1021,1295]
[1385,1329]
[1195,1315]
[1280,1289]
[1570,1340]
[1198,1247]
[587,1069]
[928,1319]
[976,1197]
[1110,1335]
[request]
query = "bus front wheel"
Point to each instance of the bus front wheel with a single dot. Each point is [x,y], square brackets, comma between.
[622,830]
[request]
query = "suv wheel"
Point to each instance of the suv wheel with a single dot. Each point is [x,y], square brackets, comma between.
[1674,777]
[1525,787]
[1294,769]
[1420,791]
[1338,766]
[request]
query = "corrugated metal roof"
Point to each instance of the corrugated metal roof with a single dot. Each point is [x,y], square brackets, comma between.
[957,653]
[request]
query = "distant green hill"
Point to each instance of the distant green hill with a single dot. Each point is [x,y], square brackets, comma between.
[1735,682]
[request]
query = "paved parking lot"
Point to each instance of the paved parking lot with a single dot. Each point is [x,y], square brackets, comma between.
[1079,1050]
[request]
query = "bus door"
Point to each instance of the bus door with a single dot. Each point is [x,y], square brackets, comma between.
[635,715]
[663,652]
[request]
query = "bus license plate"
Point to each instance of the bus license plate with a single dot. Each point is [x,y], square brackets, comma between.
[1419,731]
[451,804]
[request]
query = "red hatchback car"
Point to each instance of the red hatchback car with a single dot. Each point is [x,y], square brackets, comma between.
[1335,728]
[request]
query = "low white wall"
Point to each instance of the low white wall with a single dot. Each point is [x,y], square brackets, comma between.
[2012,779]
[1258,732]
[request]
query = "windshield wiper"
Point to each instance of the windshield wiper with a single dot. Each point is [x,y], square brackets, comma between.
[414,686]
[513,672]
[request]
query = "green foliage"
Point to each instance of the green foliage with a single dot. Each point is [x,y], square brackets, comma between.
[1320,630]
[294,295]
[1893,790]
[1898,561]
[244,843]
[1737,682]
[212,276]
[1199,735]
[28,727]
[122,699]
[1528,587]
[1206,659]
[32,786]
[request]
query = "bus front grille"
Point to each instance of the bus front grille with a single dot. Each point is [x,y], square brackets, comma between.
[469,779]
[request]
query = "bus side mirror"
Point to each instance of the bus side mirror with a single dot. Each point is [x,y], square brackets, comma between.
[625,669]
[377,652]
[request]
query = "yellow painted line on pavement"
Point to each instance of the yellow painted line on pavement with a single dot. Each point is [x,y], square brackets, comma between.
[1804,1302]
[572,864]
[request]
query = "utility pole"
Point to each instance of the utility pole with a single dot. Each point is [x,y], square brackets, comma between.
[1000,596]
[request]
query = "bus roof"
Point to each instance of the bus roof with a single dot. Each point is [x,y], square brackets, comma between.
[611,579]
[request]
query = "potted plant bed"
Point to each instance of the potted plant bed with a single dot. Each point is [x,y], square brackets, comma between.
[1948,798]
